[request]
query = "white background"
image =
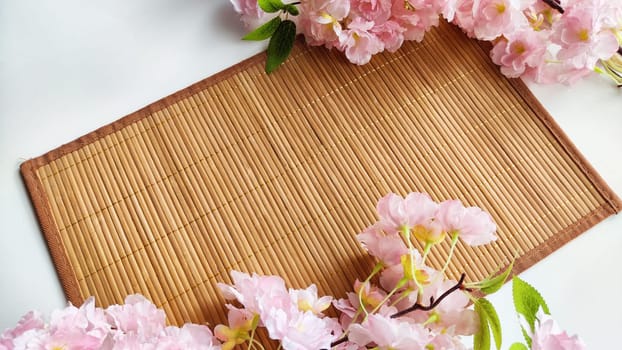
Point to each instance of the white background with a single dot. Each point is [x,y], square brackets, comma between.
[68,67]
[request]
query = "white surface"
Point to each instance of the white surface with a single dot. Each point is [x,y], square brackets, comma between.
[68,67]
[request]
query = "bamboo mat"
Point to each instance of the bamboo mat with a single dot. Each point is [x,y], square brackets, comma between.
[276,174]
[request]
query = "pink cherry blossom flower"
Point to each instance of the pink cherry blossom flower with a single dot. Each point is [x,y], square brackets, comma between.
[358,43]
[308,300]
[279,311]
[548,336]
[389,333]
[31,320]
[397,213]
[555,71]
[392,275]
[452,313]
[28,330]
[31,339]
[129,341]
[320,21]
[250,13]
[416,212]
[83,328]
[190,336]
[517,52]
[255,292]
[347,310]
[138,315]
[493,18]
[446,341]
[390,33]
[377,11]
[541,16]
[473,225]
[416,16]
[371,296]
[240,324]
[306,331]
[388,248]
[449,9]
[582,37]
[294,328]
[462,15]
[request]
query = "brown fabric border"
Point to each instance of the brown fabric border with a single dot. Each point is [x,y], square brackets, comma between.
[42,209]
[547,247]
[615,203]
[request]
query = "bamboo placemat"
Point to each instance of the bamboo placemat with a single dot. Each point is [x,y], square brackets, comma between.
[276,174]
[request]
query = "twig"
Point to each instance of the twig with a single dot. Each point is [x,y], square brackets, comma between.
[433,302]
[337,342]
[555,5]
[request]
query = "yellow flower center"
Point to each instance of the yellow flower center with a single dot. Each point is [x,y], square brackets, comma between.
[304,305]
[421,276]
[501,8]
[232,337]
[519,49]
[583,35]
[331,20]
[425,235]
[369,302]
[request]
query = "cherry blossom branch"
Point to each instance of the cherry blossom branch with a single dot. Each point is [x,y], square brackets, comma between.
[433,302]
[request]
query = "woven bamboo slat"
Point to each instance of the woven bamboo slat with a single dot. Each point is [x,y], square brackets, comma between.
[276,174]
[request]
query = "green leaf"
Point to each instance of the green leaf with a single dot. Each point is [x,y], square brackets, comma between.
[527,301]
[292,9]
[518,346]
[271,6]
[280,45]
[493,283]
[493,319]
[481,339]
[264,31]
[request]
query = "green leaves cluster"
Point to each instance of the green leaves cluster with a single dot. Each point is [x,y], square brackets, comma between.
[282,32]
[488,318]
[527,302]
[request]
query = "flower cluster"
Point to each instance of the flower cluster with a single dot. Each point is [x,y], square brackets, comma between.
[294,316]
[137,324]
[557,44]
[369,315]
[546,40]
[382,313]
[403,304]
